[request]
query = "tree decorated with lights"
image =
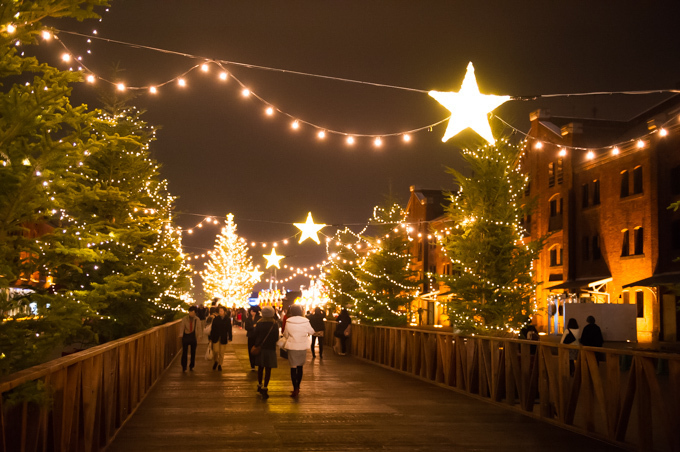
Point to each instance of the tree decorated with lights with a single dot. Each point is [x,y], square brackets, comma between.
[338,276]
[42,138]
[124,211]
[492,285]
[386,284]
[229,271]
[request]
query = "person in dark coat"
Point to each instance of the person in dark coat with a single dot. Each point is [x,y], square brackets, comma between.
[251,320]
[342,330]
[266,335]
[190,334]
[591,336]
[317,322]
[220,334]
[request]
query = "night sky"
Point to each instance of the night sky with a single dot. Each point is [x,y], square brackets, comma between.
[222,154]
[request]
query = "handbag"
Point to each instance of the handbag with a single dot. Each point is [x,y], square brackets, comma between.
[209,352]
[256,349]
[318,333]
[282,342]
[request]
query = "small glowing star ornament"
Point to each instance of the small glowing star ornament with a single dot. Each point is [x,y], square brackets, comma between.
[309,229]
[469,108]
[256,274]
[273,259]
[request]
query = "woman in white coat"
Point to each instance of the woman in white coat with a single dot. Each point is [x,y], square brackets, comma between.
[297,335]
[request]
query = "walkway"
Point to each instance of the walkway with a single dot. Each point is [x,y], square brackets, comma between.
[345,405]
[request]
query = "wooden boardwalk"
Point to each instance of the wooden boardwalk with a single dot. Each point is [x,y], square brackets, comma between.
[345,405]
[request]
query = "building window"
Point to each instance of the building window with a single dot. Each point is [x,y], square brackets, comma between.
[585,248]
[626,297]
[420,250]
[637,180]
[556,256]
[560,170]
[624,184]
[675,180]
[584,195]
[596,192]
[597,254]
[527,188]
[446,269]
[551,174]
[675,234]
[555,220]
[625,246]
[639,241]
[640,303]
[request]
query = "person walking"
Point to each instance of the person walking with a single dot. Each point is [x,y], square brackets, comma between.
[342,331]
[251,320]
[317,322]
[298,330]
[266,333]
[191,333]
[220,335]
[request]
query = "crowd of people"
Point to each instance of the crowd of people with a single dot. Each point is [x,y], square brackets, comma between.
[265,330]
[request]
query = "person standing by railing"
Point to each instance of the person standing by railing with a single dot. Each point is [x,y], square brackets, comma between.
[342,331]
[191,333]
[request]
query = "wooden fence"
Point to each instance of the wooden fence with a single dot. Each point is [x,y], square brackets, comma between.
[629,398]
[93,392]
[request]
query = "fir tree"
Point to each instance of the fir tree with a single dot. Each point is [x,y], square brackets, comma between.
[492,284]
[42,138]
[228,273]
[338,277]
[386,283]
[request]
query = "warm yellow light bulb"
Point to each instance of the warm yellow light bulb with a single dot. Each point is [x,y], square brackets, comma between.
[270,111]
[11,28]
[590,155]
[204,67]
[663,132]
[407,137]
[562,152]
[350,140]
[321,134]
[538,145]
[181,82]
[295,125]
[640,144]
[245,92]
[46,35]
[153,90]
[223,75]
[615,151]
[90,78]
[377,142]
[120,87]
[66,58]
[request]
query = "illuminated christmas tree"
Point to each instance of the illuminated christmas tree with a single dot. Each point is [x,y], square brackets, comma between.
[492,285]
[229,272]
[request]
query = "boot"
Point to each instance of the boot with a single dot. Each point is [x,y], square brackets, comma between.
[265,394]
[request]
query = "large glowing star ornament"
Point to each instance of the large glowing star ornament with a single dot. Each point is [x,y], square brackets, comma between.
[469,108]
[273,259]
[309,229]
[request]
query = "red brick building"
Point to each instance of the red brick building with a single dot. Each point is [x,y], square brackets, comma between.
[603,189]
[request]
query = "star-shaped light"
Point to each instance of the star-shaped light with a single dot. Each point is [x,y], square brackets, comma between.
[256,274]
[469,108]
[273,259]
[309,229]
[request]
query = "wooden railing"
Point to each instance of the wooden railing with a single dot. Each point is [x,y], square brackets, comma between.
[629,398]
[92,393]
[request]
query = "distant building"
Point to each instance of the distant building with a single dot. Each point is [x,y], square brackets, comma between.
[603,189]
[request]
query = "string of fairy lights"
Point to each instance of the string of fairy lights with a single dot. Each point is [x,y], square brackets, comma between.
[296,123]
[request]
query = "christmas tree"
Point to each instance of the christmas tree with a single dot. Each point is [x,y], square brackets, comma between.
[492,285]
[338,276]
[228,274]
[386,283]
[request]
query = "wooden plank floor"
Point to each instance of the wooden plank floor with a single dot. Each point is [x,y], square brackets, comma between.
[345,405]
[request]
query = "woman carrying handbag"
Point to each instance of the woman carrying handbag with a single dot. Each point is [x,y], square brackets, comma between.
[297,335]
